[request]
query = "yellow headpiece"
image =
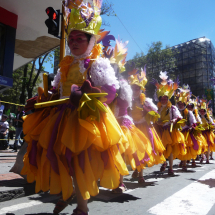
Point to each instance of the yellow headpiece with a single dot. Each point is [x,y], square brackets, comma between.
[182,94]
[166,87]
[203,104]
[119,54]
[138,79]
[82,15]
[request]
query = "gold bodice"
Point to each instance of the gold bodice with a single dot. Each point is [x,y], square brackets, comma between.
[204,122]
[74,76]
[136,112]
[163,115]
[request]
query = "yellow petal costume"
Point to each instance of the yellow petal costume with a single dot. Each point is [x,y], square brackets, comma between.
[144,114]
[207,124]
[85,141]
[169,121]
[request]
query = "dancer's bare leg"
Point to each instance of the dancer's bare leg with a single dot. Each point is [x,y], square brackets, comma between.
[171,161]
[81,203]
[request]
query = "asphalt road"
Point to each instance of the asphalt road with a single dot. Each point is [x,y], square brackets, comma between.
[190,193]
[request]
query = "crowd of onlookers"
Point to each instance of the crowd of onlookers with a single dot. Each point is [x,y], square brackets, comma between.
[10,126]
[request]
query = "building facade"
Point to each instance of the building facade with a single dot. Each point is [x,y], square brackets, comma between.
[195,65]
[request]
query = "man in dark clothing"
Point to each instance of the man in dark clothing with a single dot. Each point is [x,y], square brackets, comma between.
[18,124]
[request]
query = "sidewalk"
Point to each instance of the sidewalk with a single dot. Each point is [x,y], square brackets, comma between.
[11,185]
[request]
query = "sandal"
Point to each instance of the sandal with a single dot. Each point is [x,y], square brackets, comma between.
[197,158]
[194,164]
[184,169]
[170,172]
[202,159]
[61,204]
[79,212]
[180,164]
[121,189]
[163,167]
[141,180]
[207,161]
[135,174]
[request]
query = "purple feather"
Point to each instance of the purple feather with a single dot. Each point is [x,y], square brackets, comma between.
[177,80]
[153,81]
[106,40]
[108,55]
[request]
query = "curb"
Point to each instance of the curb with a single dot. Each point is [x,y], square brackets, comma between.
[14,193]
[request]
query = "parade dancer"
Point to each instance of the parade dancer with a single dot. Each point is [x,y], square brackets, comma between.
[189,128]
[137,149]
[203,146]
[78,140]
[144,114]
[208,125]
[169,121]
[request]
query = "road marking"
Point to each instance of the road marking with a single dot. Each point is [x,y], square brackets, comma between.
[19,206]
[196,198]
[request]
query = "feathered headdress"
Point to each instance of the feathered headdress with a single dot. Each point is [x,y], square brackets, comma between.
[83,15]
[182,94]
[203,103]
[166,87]
[139,79]
[117,55]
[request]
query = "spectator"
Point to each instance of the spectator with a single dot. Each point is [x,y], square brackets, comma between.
[4,126]
[1,109]
[18,124]
[6,111]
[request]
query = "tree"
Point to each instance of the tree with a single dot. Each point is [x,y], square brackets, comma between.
[20,79]
[156,59]
[107,10]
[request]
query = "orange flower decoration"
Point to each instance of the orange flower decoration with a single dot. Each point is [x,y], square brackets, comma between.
[142,98]
[96,51]
[64,67]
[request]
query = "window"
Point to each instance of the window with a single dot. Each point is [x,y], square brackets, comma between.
[2,45]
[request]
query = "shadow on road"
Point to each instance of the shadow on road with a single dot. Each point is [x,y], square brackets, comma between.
[210,182]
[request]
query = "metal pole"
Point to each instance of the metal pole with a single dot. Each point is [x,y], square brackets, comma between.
[62,41]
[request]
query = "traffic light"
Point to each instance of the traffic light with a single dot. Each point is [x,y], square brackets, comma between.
[53,21]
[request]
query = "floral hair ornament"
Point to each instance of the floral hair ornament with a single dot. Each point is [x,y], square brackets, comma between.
[116,55]
[166,87]
[182,94]
[203,103]
[139,78]
[83,15]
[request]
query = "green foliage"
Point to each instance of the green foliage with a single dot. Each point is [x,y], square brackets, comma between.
[12,128]
[13,94]
[157,59]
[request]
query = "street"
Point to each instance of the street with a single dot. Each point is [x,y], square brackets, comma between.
[191,192]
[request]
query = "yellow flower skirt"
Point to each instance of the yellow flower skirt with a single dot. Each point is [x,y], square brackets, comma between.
[195,145]
[138,148]
[156,155]
[209,136]
[61,146]
[174,142]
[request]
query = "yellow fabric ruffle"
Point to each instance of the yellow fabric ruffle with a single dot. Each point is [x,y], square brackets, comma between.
[157,157]
[174,142]
[80,137]
[191,152]
[138,145]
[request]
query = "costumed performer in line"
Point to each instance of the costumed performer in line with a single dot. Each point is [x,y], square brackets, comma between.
[138,146]
[144,114]
[189,128]
[208,125]
[169,121]
[192,106]
[78,141]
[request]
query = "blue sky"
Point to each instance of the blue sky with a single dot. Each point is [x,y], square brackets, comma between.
[170,21]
